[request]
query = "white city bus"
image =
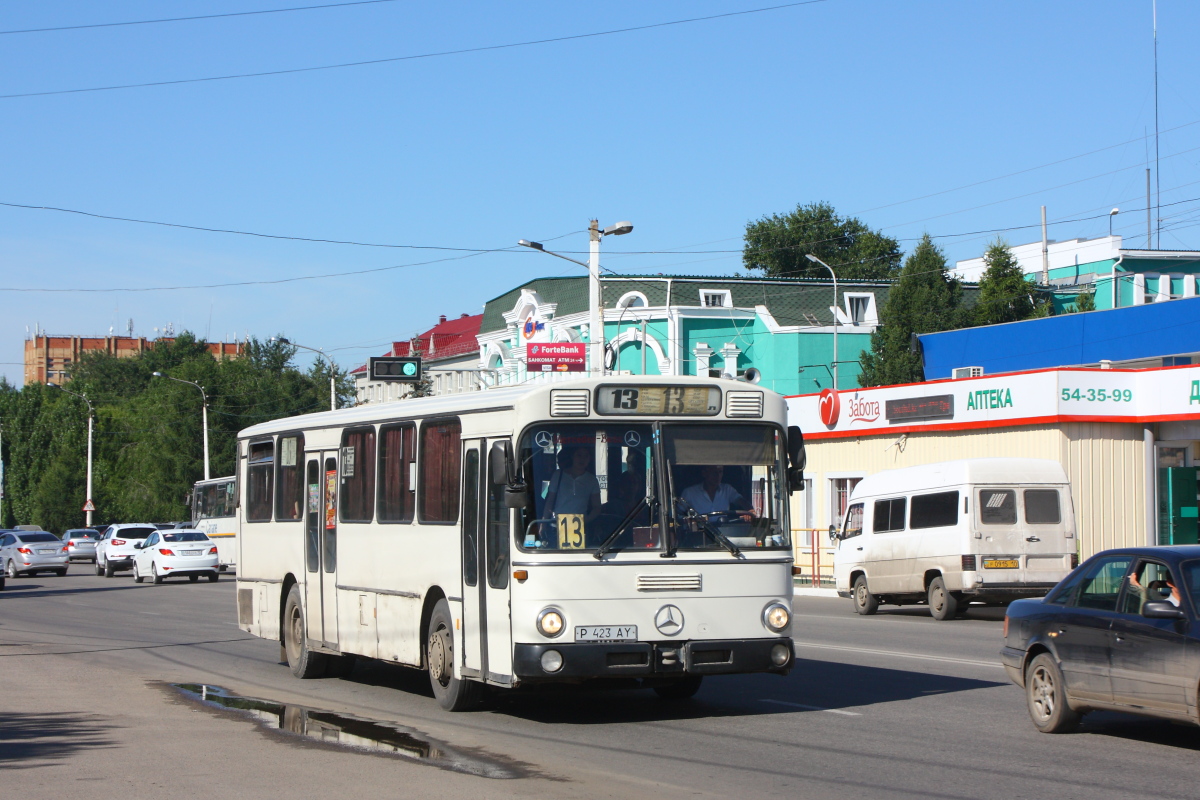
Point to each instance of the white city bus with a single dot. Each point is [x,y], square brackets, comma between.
[616,527]
[214,511]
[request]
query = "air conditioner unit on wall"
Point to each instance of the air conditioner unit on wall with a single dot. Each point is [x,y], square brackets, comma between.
[966,372]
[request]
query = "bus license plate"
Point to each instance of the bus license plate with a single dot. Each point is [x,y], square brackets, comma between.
[606,633]
[1001,563]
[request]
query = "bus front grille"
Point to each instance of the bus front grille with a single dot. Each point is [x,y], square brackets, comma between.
[669,583]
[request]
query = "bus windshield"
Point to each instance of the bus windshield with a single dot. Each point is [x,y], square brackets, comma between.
[596,486]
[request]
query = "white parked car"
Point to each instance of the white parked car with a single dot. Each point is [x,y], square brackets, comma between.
[167,553]
[115,549]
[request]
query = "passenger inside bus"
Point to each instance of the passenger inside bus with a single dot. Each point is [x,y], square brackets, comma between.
[574,488]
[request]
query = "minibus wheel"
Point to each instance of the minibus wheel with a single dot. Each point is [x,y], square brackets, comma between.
[942,604]
[303,662]
[865,603]
[453,694]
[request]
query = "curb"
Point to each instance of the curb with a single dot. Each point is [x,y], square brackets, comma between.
[808,591]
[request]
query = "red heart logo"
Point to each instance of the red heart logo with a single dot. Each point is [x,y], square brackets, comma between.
[830,407]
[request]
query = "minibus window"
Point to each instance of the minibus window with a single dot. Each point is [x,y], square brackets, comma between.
[1041,507]
[889,515]
[934,510]
[854,522]
[998,506]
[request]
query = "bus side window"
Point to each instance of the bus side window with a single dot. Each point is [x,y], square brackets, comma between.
[441,458]
[397,456]
[260,481]
[289,499]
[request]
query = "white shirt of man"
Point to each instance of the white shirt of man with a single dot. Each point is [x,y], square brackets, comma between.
[724,499]
[572,493]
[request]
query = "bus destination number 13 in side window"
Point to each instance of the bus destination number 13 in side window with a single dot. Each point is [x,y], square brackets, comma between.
[700,401]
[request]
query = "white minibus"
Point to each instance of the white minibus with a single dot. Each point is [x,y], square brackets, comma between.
[948,534]
[628,527]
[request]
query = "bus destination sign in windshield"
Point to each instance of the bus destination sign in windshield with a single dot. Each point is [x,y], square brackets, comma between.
[667,401]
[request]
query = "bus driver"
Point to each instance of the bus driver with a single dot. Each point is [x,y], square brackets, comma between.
[711,496]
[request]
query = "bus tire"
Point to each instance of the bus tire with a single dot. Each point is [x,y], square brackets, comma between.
[453,694]
[681,689]
[865,603]
[303,662]
[942,604]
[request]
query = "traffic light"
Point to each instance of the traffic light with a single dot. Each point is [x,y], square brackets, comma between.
[400,369]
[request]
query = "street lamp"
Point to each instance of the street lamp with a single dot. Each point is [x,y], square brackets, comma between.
[816,260]
[1112,214]
[203,413]
[91,414]
[321,353]
[596,334]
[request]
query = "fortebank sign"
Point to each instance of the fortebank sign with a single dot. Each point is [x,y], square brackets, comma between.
[1026,398]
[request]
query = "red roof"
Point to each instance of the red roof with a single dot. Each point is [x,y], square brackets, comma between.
[450,338]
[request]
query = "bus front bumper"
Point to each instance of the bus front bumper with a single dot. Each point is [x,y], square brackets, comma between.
[658,659]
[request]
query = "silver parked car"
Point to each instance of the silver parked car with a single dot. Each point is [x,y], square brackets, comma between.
[81,543]
[31,552]
[115,550]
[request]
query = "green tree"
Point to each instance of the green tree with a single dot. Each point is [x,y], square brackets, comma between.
[1084,301]
[776,245]
[925,298]
[1004,293]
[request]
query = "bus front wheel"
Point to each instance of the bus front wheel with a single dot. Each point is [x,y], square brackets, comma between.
[453,694]
[303,662]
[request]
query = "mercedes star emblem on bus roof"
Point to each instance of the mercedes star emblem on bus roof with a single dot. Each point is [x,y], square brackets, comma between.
[669,620]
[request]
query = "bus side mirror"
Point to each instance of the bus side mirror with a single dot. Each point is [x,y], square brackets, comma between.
[501,462]
[515,497]
[797,459]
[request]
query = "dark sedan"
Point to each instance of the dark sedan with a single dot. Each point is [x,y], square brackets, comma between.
[1120,633]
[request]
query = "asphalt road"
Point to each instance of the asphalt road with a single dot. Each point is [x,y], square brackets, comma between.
[896,705]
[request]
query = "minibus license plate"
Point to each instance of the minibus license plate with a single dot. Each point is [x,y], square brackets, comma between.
[606,633]
[1001,563]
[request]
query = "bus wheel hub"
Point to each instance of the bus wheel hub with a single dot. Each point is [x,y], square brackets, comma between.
[439,657]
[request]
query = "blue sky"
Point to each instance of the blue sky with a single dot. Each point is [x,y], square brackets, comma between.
[690,131]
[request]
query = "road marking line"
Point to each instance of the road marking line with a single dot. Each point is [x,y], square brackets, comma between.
[811,708]
[901,654]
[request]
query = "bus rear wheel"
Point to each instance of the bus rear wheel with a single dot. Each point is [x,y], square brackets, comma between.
[453,694]
[303,662]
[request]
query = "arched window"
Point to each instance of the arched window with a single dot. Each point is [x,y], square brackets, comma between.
[633,300]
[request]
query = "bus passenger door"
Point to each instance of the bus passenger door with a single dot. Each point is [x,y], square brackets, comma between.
[495,573]
[474,619]
[314,520]
[320,550]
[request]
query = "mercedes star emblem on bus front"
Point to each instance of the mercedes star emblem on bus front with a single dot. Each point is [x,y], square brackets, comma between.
[543,439]
[669,620]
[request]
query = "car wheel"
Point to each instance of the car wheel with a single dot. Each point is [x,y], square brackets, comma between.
[99,567]
[942,604]
[303,662]
[865,603]
[154,572]
[681,689]
[137,576]
[1,581]
[1046,696]
[109,569]
[213,577]
[11,570]
[193,578]
[453,694]
[60,573]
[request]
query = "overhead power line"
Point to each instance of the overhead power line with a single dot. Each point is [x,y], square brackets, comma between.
[396,59]
[192,19]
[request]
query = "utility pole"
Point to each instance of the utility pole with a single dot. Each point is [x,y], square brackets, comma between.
[596,337]
[1045,252]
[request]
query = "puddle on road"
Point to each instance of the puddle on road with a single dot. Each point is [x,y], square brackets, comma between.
[356,733]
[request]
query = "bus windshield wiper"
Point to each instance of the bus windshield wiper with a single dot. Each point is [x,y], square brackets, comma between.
[612,537]
[721,538]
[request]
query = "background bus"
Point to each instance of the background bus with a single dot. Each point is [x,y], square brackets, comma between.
[214,511]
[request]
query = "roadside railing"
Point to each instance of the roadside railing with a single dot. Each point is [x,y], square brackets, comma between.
[814,557]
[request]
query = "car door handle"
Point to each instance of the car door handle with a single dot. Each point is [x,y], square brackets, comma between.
[859,548]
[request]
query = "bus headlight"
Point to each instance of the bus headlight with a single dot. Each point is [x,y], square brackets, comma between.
[550,622]
[776,617]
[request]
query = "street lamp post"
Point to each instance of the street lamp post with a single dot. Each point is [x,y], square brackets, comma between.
[595,234]
[816,260]
[203,414]
[91,415]
[1112,214]
[332,367]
